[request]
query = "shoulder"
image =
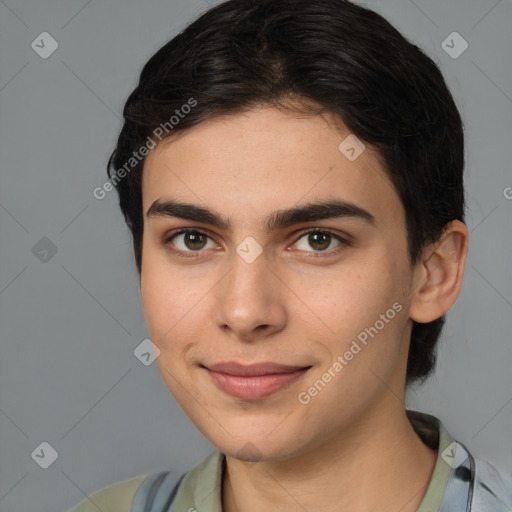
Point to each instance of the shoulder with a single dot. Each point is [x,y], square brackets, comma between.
[117,497]
[493,488]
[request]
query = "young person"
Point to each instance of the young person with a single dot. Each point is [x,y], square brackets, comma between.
[292,174]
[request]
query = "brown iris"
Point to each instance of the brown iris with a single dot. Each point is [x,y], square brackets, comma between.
[195,240]
[313,239]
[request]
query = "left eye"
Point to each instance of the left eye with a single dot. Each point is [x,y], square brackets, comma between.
[319,240]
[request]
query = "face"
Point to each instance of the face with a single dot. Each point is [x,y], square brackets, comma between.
[325,291]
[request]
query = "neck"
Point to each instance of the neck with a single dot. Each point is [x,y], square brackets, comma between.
[365,468]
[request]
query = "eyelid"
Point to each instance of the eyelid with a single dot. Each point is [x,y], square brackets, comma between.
[344,240]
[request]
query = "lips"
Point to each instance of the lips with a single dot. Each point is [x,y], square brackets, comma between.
[253,370]
[256,381]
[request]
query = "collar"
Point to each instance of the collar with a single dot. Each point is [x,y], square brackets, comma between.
[201,488]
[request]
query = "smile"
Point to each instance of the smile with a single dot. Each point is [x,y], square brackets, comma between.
[254,387]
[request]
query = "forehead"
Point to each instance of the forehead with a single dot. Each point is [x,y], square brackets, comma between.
[250,164]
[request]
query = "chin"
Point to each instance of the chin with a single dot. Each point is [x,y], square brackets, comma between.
[252,449]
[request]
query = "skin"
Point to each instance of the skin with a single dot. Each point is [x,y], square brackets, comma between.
[351,447]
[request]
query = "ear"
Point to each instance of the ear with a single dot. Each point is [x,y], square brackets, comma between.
[437,277]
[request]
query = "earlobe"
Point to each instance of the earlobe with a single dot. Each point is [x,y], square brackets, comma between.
[438,276]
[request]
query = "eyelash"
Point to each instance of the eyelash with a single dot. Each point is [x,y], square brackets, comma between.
[196,254]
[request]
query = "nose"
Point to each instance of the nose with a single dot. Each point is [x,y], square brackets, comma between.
[249,301]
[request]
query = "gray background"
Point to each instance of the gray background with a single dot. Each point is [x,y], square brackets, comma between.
[70,324]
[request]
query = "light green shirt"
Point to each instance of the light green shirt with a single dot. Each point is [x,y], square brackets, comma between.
[201,488]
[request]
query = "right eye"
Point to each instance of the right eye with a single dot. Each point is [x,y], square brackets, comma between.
[187,241]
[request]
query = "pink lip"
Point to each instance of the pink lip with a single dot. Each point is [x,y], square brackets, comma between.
[253,382]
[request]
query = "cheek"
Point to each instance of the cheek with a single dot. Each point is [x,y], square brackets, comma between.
[364,310]
[364,356]
[352,295]
[171,297]
[159,295]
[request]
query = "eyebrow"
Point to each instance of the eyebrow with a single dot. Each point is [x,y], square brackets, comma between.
[279,219]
